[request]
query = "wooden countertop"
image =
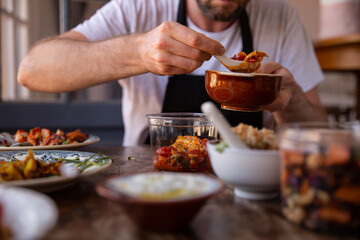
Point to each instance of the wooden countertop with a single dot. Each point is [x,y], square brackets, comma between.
[85,215]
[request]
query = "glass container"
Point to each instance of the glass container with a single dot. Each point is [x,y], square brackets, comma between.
[320,175]
[165,129]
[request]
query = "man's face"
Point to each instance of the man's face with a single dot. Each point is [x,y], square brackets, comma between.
[222,10]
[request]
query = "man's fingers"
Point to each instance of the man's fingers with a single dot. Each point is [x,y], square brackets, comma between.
[270,67]
[167,63]
[280,103]
[172,45]
[287,85]
[276,68]
[192,38]
[181,49]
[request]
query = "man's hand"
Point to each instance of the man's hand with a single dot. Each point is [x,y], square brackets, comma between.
[287,85]
[172,48]
[293,104]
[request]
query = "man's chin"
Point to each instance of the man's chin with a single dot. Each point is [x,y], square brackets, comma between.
[221,10]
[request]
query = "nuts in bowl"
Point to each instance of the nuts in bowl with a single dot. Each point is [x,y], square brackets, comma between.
[254,173]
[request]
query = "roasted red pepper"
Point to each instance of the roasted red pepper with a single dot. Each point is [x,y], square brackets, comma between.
[188,153]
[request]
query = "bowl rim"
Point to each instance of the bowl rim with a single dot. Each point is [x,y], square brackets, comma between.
[250,150]
[305,132]
[253,74]
[103,190]
[177,115]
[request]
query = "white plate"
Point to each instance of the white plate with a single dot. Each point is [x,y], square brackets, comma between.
[29,214]
[52,183]
[91,140]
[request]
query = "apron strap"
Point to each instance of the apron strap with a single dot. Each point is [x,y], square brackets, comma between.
[246,32]
[181,16]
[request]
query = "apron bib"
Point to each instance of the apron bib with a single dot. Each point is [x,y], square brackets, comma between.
[186,93]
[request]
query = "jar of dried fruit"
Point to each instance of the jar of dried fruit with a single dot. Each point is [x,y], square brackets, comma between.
[320,176]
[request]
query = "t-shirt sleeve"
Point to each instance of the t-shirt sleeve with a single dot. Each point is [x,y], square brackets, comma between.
[122,17]
[109,21]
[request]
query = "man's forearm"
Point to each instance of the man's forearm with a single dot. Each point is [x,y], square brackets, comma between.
[300,109]
[60,64]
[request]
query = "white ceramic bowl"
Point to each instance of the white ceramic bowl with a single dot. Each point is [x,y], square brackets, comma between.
[254,174]
[29,214]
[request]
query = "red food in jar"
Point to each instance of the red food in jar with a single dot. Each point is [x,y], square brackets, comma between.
[188,153]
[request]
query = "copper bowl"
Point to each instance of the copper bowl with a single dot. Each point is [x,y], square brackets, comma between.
[242,91]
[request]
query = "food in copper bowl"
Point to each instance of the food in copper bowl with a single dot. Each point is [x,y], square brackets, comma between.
[161,201]
[242,91]
[242,62]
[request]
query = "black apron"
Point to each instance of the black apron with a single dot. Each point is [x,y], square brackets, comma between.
[186,93]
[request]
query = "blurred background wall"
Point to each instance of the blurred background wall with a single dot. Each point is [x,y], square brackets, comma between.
[325,19]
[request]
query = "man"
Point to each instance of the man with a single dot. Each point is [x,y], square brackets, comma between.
[158,60]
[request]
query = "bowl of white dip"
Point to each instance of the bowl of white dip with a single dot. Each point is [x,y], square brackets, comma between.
[161,201]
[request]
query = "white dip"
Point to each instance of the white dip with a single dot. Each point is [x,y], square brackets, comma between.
[164,186]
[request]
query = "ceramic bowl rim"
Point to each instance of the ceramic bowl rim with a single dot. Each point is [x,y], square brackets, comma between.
[299,131]
[103,190]
[249,75]
[246,151]
[177,115]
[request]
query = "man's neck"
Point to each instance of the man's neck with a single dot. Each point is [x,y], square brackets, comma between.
[202,21]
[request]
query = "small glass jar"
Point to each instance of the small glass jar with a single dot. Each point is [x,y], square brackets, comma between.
[320,176]
[193,128]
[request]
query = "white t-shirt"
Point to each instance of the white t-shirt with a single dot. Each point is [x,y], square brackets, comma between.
[276,29]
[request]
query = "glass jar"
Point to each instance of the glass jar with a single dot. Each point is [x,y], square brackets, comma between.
[178,141]
[320,175]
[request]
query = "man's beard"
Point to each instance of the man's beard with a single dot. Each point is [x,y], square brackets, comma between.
[220,14]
